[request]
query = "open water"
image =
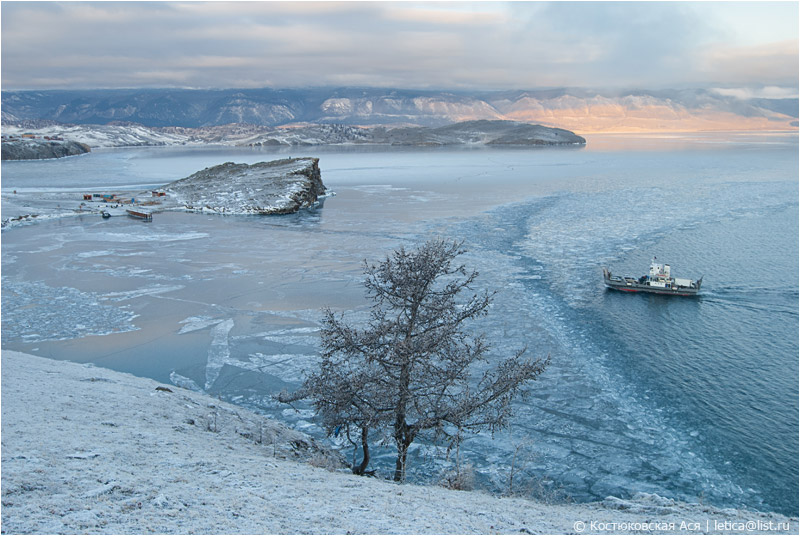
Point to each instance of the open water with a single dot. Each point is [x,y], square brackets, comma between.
[691,398]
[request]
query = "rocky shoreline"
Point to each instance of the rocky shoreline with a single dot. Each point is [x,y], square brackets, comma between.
[90,450]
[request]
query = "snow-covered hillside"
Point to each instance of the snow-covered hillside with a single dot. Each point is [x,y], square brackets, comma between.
[89,450]
[129,135]
[481,132]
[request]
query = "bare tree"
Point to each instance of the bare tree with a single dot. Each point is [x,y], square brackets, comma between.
[411,368]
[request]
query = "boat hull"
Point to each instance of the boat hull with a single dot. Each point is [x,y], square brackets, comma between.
[629,284]
[652,290]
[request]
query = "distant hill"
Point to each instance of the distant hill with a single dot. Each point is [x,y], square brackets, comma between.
[579,110]
[480,132]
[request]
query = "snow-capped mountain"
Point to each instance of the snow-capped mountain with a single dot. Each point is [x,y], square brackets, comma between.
[580,110]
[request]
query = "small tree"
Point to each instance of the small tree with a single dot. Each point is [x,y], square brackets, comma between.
[410,369]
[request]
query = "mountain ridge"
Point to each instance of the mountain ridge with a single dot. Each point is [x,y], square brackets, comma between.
[579,110]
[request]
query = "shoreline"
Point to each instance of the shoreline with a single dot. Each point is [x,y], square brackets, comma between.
[87,449]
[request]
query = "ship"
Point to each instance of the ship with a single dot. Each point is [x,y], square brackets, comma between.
[658,281]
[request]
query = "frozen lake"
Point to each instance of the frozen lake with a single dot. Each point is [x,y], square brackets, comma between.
[688,398]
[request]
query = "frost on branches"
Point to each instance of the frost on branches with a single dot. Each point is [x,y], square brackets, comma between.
[411,368]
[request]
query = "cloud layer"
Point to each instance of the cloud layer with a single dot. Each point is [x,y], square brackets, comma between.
[385,44]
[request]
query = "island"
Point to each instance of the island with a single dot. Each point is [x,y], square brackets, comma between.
[277,187]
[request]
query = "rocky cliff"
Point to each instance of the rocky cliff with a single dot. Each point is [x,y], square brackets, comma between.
[277,187]
[37,149]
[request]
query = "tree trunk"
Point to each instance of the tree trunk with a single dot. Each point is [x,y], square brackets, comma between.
[403,438]
[361,469]
[400,465]
[401,430]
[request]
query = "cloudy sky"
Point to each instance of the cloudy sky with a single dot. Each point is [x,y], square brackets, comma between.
[741,46]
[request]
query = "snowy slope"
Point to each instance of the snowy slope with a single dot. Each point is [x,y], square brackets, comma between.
[105,135]
[89,450]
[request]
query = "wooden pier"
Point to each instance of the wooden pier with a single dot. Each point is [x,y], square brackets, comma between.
[140,214]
